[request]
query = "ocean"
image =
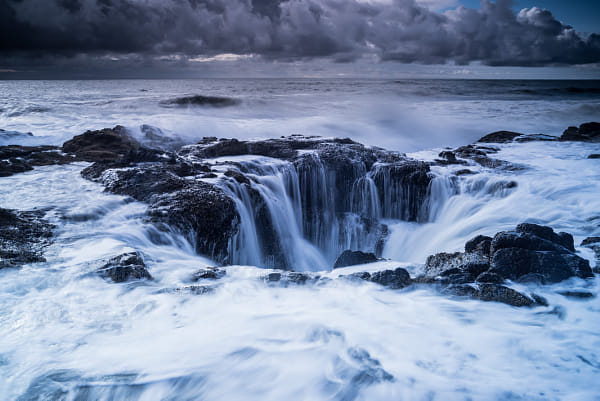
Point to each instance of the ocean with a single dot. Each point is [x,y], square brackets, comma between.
[67,334]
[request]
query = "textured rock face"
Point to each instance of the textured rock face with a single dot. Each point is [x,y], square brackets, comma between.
[107,144]
[499,137]
[588,132]
[125,267]
[23,237]
[529,253]
[351,258]
[18,159]
[329,184]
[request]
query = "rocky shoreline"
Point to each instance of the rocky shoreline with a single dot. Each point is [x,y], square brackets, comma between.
[198,189]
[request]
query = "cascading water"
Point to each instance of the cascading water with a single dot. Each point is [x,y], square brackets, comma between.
[303,214]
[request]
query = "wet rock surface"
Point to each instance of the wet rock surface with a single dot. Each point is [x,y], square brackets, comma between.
[102,145]
[23,237]
[175,186]
[351,258]
[530,253]
[209,273]
[588,132]
[125,267]
[18,159]
[499,137]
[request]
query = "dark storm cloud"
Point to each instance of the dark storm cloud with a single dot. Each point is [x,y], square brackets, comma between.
[343,30]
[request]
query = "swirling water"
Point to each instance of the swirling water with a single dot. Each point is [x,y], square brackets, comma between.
[66,334]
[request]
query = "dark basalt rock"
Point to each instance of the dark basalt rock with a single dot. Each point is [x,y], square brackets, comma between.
[209,273]
[23,237]
[531,253]
[285,279]
[480,244]
[204,213]
[594,156]
[200,100]
[562,238]
[492,292]
[394,279]
[125,267]
[351,258]
[577,294]
[499,137]
[448,157]
[445,264]
[588,132]
[487,277]
[108,144]
[18,159]
[499,293]
[524,258]
[479,154]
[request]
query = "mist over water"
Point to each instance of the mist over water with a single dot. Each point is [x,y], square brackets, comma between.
[405,115]
[67,334]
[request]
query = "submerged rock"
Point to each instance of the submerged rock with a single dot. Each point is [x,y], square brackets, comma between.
[125,267]
[200,100]
[23,237]
[351,258]
[209,273]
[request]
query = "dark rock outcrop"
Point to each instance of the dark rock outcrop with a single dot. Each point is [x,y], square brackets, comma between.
[351,258]
[23,237]
[588,132]
[394,279]
[200,100]
[530,253]
[18,159]
[499,137]
[594,156]
[108,144]
[125,267]
[331,175]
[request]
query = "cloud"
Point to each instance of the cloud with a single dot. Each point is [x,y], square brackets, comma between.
[404,31]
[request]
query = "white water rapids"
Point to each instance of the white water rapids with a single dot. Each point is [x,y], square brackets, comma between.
[66,334]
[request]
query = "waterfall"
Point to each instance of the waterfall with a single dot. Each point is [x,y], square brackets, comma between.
[303,214]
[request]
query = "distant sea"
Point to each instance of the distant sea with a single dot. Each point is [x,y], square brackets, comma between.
[405,115]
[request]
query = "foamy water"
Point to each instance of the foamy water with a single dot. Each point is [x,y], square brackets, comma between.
[66,334]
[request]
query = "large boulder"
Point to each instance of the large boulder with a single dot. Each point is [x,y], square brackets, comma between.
[351,258]
[529,253]
[102,145]
[23,237]
[588,132]
[536,250]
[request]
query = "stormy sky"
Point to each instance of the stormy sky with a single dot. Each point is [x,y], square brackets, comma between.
[62,38]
